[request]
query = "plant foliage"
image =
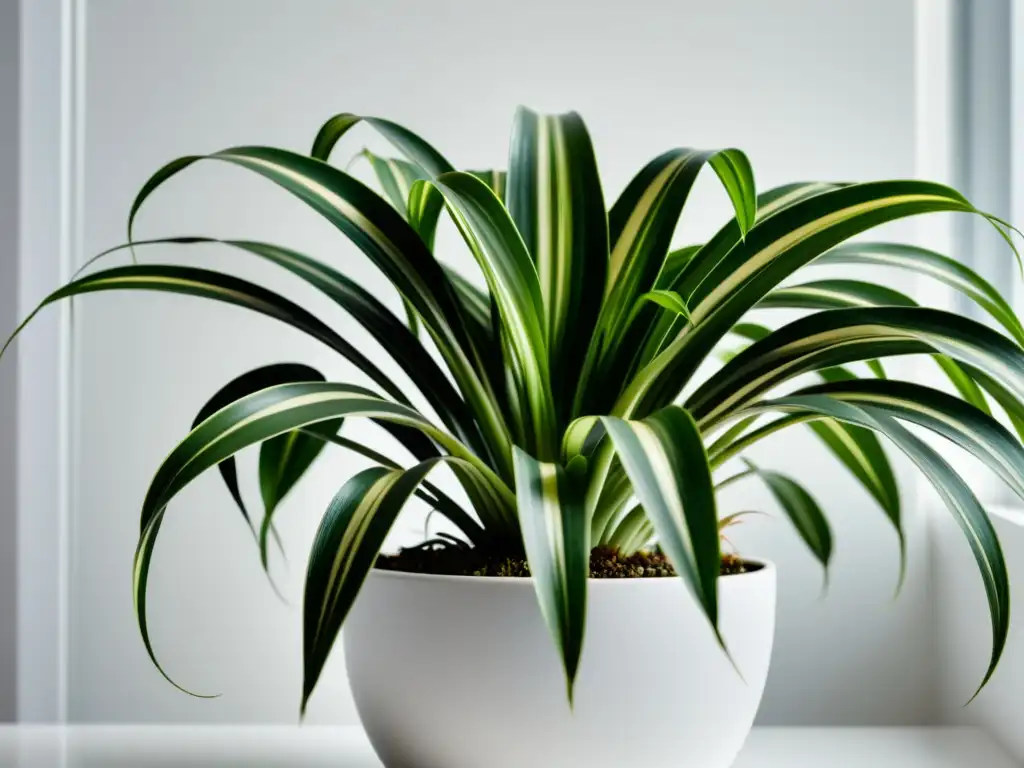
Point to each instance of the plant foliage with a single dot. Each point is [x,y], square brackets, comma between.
[554,378]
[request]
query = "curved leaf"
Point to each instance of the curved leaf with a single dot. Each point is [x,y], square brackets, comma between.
[393,246]
[264,415]
[512,279]
[664,457]
[408,143]
[640,225]
[922,261]
[801,508]
[728,277]
[839,336]
[346,546]
[961,423]
[556,535]
[246,384]
[431,494]
[955,493]
[555,200]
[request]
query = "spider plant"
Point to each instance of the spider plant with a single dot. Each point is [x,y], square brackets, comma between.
[565,396]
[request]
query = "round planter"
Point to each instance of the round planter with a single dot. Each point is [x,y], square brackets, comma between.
[460,672]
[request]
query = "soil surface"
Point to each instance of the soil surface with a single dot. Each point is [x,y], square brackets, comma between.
[605,563]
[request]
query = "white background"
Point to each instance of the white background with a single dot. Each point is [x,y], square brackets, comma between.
[811,90]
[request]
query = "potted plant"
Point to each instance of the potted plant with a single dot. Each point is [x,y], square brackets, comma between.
[555,397]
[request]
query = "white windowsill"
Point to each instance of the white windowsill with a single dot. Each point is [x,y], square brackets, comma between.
[255,746]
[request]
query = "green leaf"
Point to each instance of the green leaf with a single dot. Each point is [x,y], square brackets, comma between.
[861,452]
[556,534]
[217,286]
[1009,402]
[728,276]
[392,245]
[961,423]
[837,294]
[556,203]
[801,508]
[641,224]
[431,494]
[403,347]
[246,384]
[499,250]
[496,180]
[840,336]
[834,294]
[412,146]
[922,261]
[346,546]
[276,411]
[396,178]
[955,493]
[669,300]
[283,461]
[664,457]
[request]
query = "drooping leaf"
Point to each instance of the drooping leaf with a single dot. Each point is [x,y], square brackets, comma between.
[246,384]
[922,261]
[729,276]
[840,336]
[664,457]
[269,413]
[392,245]
[955,493]
[802,510]
[556,534]
[966,426]
[346,546]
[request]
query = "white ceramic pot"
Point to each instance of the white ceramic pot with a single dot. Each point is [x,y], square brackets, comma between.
[460,672]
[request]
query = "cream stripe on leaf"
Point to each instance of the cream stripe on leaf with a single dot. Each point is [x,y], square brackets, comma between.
[512,279]
[922,261]
[397,340]
[246,384]
[641,224]
[961,423]
[955,493]
[720,289]
[835,294]
[840,336]
[396,178]
[346,546]
[664,458]
[694,265]
[408,143]
[556,534]
[555,200]
[430,493]
[393,246]
[217,286]
[267,414]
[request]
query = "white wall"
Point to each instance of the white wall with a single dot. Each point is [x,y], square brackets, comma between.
[962,625]
[9,112]
[809,89]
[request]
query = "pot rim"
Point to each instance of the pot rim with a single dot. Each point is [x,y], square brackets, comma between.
[767,569]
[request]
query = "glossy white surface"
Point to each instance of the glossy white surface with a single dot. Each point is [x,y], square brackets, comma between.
[456,672]
[320,747]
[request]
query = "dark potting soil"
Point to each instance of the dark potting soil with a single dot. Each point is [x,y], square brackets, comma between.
[605,563]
